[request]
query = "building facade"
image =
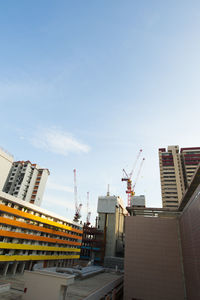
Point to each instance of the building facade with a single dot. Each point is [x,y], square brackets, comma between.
[26,181]
[138,201]
[153,267]
[190,158]
[176,171]
[30,235]
[111,216]
[162,249]
[6,161]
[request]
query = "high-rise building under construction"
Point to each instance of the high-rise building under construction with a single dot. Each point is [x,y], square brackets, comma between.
[176,171]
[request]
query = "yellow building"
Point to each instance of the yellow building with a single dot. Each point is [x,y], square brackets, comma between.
[30,235]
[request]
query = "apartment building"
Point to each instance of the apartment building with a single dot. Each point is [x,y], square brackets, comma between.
[176,171]
[6,161]
[26,181]
[190,158]
[30,235]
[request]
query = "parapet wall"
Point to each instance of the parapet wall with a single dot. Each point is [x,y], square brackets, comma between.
[190,239]
[113,262]
[153,268]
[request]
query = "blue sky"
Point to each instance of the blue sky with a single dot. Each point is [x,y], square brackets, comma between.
[86,84]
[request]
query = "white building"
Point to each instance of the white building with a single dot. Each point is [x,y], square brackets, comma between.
[26,181]
[6,161]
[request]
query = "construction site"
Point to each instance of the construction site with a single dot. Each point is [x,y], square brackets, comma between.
[46,256]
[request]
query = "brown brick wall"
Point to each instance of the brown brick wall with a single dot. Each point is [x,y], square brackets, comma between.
[152,259]
[190,239]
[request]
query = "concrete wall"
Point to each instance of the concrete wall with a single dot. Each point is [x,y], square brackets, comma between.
[153,268]
[190,238]
[51,286]
[6,161]
[114,230]
[110,232]
[114,262]
[111,208]
[107,204]
[138,200]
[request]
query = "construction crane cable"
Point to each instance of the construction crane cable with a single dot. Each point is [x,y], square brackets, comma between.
[138,173]
[135,163]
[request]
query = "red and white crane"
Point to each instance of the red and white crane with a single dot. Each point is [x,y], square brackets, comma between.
[88,212]
[77,215]
[128,178]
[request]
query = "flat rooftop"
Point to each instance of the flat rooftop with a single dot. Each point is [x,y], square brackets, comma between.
[83,288]
[80,289]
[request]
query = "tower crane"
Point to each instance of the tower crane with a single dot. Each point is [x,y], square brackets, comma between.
[77,206]
[128,178]
[88,212]
[138,173]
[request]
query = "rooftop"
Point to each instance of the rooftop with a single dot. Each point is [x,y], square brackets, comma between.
[15,200]
[87,288]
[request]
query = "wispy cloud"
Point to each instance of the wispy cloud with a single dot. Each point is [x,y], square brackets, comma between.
[59,187]
[25,88]
[60,201]
[58,141]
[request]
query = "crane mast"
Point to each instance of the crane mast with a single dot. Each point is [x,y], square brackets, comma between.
[88,212]
[77,206]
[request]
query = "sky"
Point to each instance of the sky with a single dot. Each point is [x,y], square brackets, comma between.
[87,84]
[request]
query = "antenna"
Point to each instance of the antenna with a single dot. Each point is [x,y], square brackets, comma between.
[108,190]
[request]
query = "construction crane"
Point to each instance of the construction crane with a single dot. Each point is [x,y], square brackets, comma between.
[138,173]
[88,212]
[77,215]
[128,178]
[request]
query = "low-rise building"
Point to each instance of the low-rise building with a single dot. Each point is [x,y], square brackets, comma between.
[30,235]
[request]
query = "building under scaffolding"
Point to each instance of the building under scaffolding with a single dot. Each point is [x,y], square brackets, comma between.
[93,245]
